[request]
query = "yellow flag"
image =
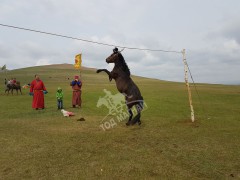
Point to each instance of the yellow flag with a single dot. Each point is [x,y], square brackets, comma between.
[78,61]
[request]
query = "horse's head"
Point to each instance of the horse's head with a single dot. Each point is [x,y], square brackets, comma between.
[114,57]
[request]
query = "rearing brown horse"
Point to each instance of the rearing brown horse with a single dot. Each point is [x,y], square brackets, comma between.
[125,85]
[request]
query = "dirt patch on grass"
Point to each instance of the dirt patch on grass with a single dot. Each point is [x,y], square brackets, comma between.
[188,122]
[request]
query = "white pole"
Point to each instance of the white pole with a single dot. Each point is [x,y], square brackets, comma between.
[187,84]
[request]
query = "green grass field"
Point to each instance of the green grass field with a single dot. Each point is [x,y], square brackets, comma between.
[45,145]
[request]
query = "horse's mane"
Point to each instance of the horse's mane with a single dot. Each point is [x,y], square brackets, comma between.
[123,64]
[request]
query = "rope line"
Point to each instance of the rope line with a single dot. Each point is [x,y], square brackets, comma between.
[88,41]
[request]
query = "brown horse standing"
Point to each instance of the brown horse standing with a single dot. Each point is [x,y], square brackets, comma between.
[125,85]
[12,87]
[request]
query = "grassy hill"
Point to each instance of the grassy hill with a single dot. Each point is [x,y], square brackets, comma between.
[45,145]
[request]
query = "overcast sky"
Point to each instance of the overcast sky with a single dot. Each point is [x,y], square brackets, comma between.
[209,30]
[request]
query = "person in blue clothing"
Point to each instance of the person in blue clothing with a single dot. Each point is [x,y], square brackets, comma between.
[77,92]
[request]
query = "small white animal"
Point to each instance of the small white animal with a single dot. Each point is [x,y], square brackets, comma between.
[67,113]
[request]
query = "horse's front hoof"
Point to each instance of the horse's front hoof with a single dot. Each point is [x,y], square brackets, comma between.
[139,123]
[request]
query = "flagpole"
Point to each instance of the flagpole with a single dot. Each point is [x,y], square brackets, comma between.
[78,63]
[5,73]
[4,68]
[80,73]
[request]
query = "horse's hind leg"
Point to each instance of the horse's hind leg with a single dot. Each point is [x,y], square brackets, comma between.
[130,116]
[136,119]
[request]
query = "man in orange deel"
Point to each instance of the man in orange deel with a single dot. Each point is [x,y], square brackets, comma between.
[76,96]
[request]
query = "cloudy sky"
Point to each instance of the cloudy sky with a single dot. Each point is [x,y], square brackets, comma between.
[208,30]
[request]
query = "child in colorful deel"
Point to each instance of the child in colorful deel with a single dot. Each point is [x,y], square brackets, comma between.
[59,96]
